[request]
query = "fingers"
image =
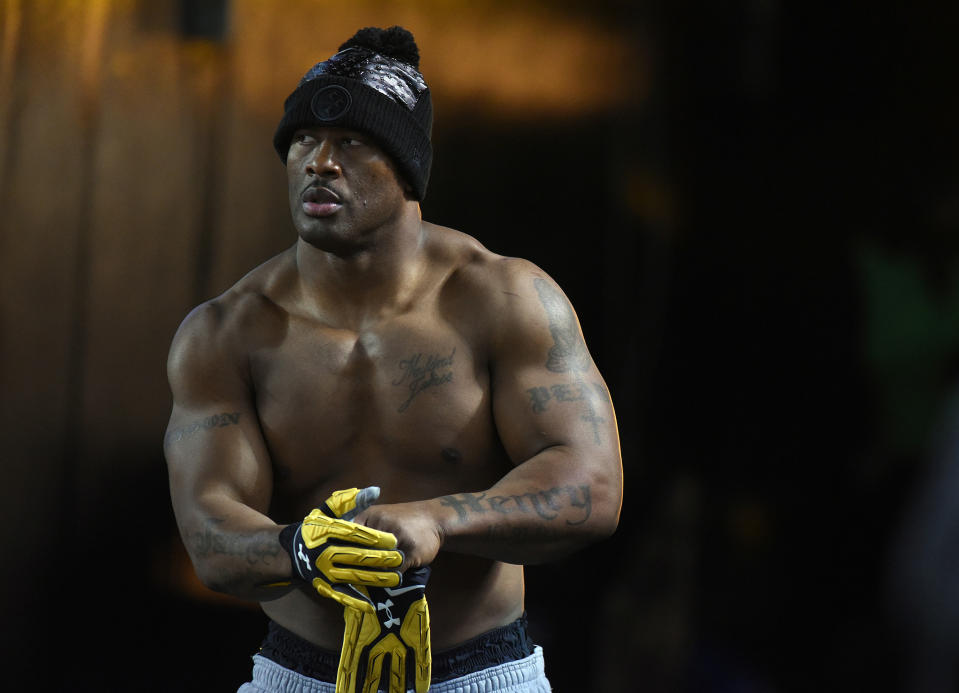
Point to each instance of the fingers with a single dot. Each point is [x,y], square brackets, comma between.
[361,628]
[365,498]
[398,670]
[358,606]
[318,528]
[416,533]
[345,552]
[348,503]
[358,566]
[405,526]
[397,664]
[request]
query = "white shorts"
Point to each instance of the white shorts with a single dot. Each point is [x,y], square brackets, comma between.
[522,676]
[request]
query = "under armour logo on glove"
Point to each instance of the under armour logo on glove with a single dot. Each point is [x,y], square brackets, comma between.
[303,557]
[390,620]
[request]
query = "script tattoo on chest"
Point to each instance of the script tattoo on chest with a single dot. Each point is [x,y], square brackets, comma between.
[210,422]
[422,371]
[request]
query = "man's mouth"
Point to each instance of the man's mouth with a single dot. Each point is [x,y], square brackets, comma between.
[320,202]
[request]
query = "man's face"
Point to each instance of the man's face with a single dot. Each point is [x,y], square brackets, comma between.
[342,188]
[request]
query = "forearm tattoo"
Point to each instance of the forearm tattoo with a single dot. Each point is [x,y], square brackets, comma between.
[209,542]
[210,422]
[548,504]
[422,371]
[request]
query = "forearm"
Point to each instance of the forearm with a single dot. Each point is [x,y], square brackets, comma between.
[236,550]
[541,511]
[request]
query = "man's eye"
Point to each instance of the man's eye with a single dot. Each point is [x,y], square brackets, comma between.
[302,138]
[352,141]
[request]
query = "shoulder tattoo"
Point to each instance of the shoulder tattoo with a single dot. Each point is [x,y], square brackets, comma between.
[568,353]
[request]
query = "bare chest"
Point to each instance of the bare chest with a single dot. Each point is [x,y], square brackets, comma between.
[405,406]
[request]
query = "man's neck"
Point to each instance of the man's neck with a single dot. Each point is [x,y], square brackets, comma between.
[353,289]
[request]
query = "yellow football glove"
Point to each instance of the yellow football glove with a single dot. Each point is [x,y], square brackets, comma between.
[334,554]
[381,620]
[394,622]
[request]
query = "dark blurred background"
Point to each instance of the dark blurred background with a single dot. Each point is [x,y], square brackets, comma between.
[754,206]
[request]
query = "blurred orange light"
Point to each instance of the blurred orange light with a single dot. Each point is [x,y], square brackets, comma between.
[496,59]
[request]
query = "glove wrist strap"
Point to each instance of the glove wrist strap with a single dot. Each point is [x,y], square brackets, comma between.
[288,537]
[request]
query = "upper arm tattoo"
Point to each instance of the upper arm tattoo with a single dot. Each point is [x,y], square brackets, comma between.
[568,353]
[216,421]
[572,392]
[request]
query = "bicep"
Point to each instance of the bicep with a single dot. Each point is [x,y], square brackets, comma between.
[547,391]
[216,456]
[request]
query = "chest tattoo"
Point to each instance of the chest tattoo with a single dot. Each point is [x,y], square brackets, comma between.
[421,371]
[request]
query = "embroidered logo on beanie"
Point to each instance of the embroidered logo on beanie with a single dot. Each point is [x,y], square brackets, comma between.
[331,103]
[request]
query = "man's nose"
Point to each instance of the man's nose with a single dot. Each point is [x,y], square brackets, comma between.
[324,160]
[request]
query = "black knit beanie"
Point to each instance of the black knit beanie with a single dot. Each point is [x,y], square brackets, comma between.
[371,85]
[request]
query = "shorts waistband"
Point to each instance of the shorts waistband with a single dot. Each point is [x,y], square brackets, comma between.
[501,645]
[527,675]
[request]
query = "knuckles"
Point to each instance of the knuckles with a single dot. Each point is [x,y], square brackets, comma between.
[412,530]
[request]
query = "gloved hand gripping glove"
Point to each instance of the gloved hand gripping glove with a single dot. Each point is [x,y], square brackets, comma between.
[336,555]
[382,620]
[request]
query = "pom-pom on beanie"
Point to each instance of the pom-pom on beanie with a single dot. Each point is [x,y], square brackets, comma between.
[372,85]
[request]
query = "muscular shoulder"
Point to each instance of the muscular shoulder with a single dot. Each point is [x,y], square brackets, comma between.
[217,337]
[478,274]
[505,297]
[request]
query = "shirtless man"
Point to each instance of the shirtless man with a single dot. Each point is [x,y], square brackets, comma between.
[384,350]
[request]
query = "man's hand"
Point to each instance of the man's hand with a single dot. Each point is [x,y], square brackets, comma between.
[417,533]
[336,555]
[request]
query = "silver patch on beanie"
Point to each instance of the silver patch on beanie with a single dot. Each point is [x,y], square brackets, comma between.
[392,78]
[331,103]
